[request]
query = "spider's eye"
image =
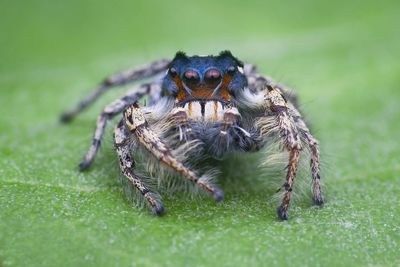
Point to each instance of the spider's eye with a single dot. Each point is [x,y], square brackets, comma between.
[191,77]
[172,71]
[212,76]
[231,70]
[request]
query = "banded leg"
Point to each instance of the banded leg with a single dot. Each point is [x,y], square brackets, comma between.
[138,126]
[108,113]
[318,199]
[121,78]
[126,162]
[289,135]
[259,82]
[315,157]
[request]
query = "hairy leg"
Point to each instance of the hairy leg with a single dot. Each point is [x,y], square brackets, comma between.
[313,146]
[138,126]
[123,77]
[126,162]
[107,114]
[315,170]
[260,84]
[284,124]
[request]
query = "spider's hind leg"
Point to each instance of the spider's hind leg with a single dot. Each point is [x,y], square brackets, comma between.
[126,162]
[130,75]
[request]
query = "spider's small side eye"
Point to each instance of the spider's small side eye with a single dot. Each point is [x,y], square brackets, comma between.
[231,70]
[172,71]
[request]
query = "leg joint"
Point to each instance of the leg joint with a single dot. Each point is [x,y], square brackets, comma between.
[287,187]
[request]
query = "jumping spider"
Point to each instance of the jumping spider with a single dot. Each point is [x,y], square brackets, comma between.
[215,103]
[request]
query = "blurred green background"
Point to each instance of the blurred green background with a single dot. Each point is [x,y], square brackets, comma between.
[341,56]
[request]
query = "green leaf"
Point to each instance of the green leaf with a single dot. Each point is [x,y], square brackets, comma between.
[343,59]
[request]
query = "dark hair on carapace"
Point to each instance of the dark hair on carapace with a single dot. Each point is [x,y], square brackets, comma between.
[228,54]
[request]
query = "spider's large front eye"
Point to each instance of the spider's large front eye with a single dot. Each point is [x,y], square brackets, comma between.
[191,77]
[172,71]
[212,77]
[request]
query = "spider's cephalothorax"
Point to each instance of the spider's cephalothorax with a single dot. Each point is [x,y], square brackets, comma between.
[204,78]
[203,89]
[215,104]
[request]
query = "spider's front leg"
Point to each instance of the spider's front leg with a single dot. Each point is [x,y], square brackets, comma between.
[138,126]
[127,163]
[315,156]
[289,134]
[257,83]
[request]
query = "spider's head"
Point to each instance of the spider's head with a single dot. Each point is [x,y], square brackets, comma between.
[204,77]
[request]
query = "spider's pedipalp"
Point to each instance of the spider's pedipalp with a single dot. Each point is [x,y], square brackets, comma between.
[130,75]
[180,118]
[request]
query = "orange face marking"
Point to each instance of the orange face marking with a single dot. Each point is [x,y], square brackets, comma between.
[203,91]
[181,90]
[224,87]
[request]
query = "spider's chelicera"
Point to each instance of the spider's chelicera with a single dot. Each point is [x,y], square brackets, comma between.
[201,106]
